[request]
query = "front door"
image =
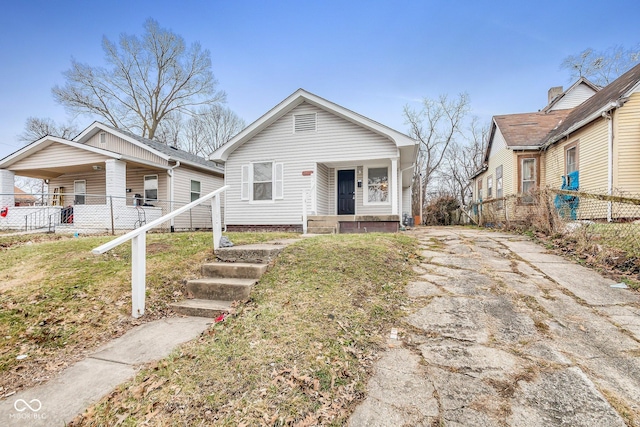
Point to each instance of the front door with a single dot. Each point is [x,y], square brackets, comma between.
[346,192]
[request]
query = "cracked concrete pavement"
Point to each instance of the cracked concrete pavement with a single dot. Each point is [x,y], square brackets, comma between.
[506,334]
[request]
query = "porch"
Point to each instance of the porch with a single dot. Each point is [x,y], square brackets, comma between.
[340,224]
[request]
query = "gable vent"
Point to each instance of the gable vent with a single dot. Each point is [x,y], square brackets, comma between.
[103,138]
[304,122]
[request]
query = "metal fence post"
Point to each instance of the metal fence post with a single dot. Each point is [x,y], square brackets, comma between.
[113,230]
[138,273]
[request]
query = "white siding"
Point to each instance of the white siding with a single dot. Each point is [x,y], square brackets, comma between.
[406,201]
[322,190]
[96,186]
[335,140]
[574,97]
[119,145]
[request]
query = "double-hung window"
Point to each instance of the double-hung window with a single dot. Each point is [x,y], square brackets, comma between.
[195,190]
[378,185]
[150,188]
[571,161]
[79,192]
[499,192]
[262,181]
[528,173]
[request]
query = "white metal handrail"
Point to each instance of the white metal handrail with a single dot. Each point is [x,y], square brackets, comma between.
[139,250]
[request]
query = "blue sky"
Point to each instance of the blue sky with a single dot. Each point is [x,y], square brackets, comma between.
[373,57]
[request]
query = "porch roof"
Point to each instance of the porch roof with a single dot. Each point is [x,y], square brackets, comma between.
[88,159]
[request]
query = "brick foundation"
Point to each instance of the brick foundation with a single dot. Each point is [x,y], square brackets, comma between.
[289,228]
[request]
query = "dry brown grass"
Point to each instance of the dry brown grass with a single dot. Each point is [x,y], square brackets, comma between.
[299,352]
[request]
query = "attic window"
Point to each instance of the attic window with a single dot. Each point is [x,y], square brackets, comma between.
[103,137]
[304,122]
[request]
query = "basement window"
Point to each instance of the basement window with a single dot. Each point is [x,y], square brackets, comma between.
[304,122]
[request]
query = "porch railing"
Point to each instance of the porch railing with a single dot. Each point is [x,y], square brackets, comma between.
[138,245]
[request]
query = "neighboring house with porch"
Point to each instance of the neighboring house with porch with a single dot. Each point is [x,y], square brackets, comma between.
[107,178]
[593,146]
[309,156]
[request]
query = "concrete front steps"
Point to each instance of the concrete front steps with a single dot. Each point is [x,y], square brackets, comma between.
[230,279]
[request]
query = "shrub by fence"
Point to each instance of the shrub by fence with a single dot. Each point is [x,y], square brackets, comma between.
[592,216]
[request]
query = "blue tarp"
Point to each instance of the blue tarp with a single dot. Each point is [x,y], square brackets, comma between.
[564,202]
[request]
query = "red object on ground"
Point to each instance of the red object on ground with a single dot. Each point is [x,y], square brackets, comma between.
[220,318]
[4,211]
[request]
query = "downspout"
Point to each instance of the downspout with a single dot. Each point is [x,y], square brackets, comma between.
[171,191]
[608,115]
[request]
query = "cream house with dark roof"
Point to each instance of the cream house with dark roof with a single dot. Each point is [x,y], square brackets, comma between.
[110,178]
[595,142]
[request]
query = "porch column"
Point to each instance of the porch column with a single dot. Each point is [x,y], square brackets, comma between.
[116,180]
[393,185]
[7,189]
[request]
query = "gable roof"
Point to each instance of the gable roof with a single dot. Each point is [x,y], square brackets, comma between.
[44,142]
[525,131]
[292,101]
[612,96]
[161,150]
[581,80]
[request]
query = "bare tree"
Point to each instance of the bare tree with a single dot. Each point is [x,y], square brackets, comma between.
[435,126]
[602,67]
[38,127]
[462,160]
[211,129]
[147,79]
[170,130]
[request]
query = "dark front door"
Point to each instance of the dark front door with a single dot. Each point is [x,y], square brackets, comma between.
[346,192]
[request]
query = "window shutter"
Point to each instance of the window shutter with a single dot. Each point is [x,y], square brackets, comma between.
[279,181]
[244,185]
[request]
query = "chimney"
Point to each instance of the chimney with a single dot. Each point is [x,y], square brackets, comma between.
[553,92]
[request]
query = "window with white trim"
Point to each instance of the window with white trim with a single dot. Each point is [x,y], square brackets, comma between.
[79,192]
[262,181]
[572,159]
[195,190]
[528,179]
[150,188]
[377,185]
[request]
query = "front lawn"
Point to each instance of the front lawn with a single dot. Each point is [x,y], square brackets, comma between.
[299,352]
[58,301]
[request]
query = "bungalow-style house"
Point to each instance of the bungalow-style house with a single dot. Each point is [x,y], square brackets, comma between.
[310,156]
[587,142]
[106,178]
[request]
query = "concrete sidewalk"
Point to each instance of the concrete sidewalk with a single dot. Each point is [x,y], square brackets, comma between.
[58,401]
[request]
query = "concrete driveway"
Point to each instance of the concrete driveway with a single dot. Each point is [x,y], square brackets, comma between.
[508,335]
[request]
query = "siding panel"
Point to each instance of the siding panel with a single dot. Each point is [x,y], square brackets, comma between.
[119,145]
[57,155]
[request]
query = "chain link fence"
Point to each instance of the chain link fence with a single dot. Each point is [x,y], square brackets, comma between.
[90,213]
[611,220]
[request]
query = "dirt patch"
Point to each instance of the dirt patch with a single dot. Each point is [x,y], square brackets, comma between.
[158,247]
